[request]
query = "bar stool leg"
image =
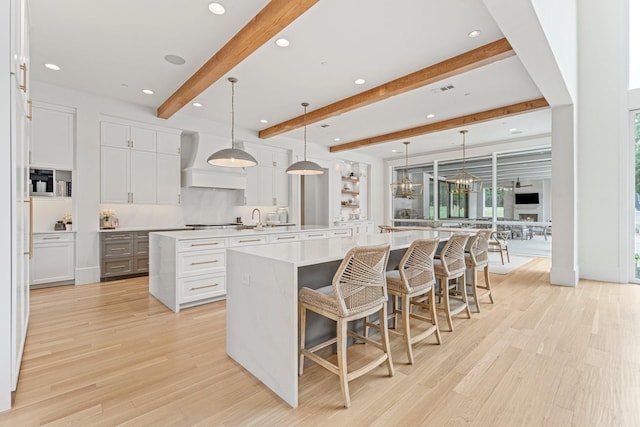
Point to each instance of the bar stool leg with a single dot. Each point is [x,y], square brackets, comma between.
[342,360]
[302,321]
[434,314]
[384,336]
[406,315]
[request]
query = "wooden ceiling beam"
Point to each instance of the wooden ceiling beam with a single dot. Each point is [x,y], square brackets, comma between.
[470,119]
[462,63]
[272,19]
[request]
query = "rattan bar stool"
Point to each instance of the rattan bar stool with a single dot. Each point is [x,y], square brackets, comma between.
[450,266]
[415,278]
[358,290]
[477,256]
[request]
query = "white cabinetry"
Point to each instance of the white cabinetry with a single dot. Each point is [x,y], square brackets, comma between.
[139,165]
[53,138]
[53,258]
[268,183]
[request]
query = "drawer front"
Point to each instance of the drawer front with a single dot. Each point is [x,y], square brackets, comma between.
[202,287]
[201,244]
[247,240]
[340,233]
[201,262]
[117,267]
[52,238]
[117,235]
[141,247]
[117,248]
[314,235]
[141,264]
[141,234]
[283,238]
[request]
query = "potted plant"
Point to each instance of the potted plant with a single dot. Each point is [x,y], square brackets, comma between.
[67,220]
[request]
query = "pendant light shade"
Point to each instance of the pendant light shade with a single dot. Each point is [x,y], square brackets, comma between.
[232,157]
[406,188]
[464,182]
[305,167]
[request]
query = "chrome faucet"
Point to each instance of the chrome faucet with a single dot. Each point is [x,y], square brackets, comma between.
[259,215]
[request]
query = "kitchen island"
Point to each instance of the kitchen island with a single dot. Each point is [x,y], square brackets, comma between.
[188,267]
[262,300]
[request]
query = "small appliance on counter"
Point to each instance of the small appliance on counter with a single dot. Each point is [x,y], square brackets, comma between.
[59,226]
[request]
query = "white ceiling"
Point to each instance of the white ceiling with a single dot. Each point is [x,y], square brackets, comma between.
[116,48]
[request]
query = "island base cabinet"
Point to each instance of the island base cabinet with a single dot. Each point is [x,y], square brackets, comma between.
[197,288]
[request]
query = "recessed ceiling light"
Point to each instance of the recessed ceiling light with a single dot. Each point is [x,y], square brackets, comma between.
[515,131]
[282,42]
[336,139]
[124,85]
[197,104]
[216,8]
[474,33]
[53,67]
[174,59]
[264,121]
[360,81]
[148,91]
[430,116]
[395,151]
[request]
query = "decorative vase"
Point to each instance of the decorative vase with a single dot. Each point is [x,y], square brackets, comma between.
[106,223]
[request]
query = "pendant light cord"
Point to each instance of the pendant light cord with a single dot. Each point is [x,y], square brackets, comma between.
[233,111]
[305,132]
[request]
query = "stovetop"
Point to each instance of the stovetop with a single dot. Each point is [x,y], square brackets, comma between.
[213,226]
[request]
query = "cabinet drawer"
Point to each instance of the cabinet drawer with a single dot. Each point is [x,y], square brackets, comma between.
[52,238]
[141,247]
[141,264]
[117,235]
[314,235]
[117,267]
[141,235]
[247,240]
[202,287]
[340,233]
[118,248]
[199,262]
[281,238]
[201,244]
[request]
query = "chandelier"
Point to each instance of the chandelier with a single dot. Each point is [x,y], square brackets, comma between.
[232,157]
[464,182]
[406,188]
[305,167]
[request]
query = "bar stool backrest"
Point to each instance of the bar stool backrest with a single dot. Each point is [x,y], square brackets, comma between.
[452,255]
[479,247]
[416,266]
[360,281]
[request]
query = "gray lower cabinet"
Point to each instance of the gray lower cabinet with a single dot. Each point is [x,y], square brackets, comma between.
[124,253]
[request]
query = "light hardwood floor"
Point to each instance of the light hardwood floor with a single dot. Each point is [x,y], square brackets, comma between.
[110,354]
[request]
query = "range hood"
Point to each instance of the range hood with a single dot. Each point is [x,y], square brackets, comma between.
[199,173]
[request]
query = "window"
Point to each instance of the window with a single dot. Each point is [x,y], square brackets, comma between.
[488,203]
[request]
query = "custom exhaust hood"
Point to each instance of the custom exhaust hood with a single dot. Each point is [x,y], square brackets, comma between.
[199,173]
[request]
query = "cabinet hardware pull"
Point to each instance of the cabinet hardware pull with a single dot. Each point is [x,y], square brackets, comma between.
[205,287]
[213,261]
[341,233]
[30,110]
[118,266]
[117,249]
[286,238]
[248,241]
[51,238]
[204,244]
[115,236]
[23,86]
[315,235]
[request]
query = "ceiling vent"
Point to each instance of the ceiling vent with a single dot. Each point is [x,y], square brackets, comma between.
[443,88]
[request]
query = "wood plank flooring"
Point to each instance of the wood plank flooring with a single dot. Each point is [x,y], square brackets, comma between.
[109,354]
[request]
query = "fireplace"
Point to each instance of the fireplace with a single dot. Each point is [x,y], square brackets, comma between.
[528,217]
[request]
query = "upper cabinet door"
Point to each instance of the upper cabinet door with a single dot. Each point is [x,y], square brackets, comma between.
[52,141]
[143,139]
[168,143]
[143,177]
[114,135]
[114,181]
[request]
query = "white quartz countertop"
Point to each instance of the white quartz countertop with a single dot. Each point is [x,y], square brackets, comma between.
[159,228]
[310,252]
[229,232]
[54,232]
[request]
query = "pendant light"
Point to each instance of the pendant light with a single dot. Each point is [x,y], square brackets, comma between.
[464,182]
[232,157]
[406,188]
[305,167]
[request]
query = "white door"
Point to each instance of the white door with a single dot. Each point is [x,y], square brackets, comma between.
[52,142]
[143,176]
[167,143]
[114,135]
[168,179]
[114,182]
[143,139]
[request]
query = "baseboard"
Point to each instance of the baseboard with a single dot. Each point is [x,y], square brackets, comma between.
[87,275]
[564,276]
